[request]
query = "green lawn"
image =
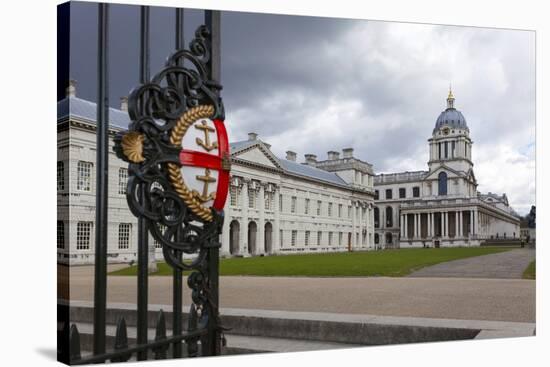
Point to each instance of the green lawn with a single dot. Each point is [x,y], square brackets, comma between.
[393,263]
[530,272]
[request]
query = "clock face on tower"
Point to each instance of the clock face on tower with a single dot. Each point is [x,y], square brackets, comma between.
[446,131]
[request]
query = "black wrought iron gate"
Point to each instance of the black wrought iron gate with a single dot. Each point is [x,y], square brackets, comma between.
[187,87]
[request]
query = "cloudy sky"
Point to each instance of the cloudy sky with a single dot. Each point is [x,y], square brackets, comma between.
[312,84]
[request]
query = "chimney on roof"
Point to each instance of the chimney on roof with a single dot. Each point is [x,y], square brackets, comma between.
[311,159]
[332,155]
[124,103]
[71,89]
[348,152]
[291,156]
[252,136]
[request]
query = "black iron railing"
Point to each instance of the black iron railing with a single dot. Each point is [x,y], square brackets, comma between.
[151,197]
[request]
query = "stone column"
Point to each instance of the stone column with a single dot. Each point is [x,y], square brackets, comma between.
[415,225]
[353,222]
[429,224]
[243,232]
[276,241]
[406,226]
[474,228]
[460,226]
[402,225]
[432,223]
[225,241]
[444,224]
[260,240]
[471,223]
[456,224]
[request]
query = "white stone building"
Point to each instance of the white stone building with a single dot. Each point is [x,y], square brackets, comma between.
[275,206]
[441,206]
[281,206]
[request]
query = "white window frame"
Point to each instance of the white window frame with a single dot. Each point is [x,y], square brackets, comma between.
[122,180]
[60,176]
[83,235]
[60,234]
[306,238]
[84,176]
[293,237]
[293,204]
[124,233]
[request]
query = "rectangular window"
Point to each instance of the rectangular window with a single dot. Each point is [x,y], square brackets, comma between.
[389,194]
[281,238]
[306,238]
[453,146]
[330,238]
[281,202]
[251,198]
[293,204]
[84,176]
[319,238]
[376,195]
[60,176]
[122,180]
[124,235]
[306,208]
[318,207]
[268,201]
[416,192]
[330,209]
[340,236]
[60,234]
[339,210]
[83,232]
[234,194]
[156,243]
[349,211]
[402,193]
[293,238]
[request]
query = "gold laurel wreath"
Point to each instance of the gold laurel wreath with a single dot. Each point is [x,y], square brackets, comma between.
[174,172]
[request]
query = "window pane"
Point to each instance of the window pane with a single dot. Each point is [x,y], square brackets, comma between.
[60,176]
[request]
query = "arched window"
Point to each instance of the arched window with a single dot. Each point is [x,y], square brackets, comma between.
[389,217]
[376,217]
[442,183]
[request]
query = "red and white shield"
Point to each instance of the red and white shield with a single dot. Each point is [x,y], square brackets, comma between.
[203,178]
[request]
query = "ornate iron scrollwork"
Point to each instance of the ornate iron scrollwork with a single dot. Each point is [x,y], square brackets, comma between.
[177,222]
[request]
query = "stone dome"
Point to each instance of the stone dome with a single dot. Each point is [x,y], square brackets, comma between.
[451,117]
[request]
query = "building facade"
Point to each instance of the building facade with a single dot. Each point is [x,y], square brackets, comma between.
[441,206]
[275,206]
[281,206]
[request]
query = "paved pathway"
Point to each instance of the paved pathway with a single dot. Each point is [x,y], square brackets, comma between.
[503,265]
[447,298]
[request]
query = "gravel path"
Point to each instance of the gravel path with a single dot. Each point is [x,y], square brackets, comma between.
[454,298]
[503,265]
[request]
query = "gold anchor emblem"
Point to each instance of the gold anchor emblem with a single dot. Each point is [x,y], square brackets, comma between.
[207,179]
[207,130]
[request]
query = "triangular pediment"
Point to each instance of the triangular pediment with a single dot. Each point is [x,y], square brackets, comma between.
[451,173]
[257,154]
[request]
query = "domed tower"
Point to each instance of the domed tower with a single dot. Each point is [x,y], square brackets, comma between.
[450,143]
[451,168]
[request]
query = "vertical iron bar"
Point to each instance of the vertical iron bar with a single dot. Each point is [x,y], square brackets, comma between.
[102,170]
[143,230]
[180,41]
[212,20]
[177,303]
[177,307]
